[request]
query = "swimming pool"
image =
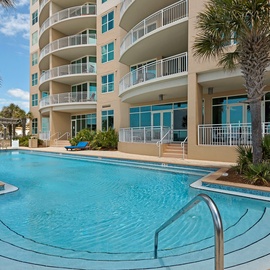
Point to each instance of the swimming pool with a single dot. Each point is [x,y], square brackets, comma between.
[85,209]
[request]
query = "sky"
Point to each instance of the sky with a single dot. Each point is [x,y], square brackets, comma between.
[14,55]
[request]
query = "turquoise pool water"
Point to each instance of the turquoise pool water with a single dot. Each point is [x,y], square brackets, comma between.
[108,208]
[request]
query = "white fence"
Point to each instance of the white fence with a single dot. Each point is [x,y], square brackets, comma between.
[165,67]
[163,17]
[142,134]
[228,134]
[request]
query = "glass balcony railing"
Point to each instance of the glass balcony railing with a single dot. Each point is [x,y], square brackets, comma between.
[42,5]
[68,13]
[71,41]
[157,20]
[73,69]
[125,5]
[67,98]
[157,69]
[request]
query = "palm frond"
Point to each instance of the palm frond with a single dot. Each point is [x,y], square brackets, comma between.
[7,3]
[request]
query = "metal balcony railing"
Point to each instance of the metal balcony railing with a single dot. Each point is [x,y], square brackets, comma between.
[68,13]
[142,134]
[73,69]
[70,41]
[66,98]
[157,20]
[228,134]
[165,67]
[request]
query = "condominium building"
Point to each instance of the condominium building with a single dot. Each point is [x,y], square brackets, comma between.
[129,65]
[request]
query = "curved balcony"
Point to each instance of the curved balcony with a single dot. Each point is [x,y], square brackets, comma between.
[43,11]
[166,77]
[78,12]
[67,48]
[131,11]
[68,74]
[68,102]
[170,22]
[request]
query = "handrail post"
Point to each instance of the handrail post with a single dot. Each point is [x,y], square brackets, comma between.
[218,227]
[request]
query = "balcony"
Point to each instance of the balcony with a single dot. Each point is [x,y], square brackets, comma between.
[228,134]
[68,74]
[159,77]
[78,12]
[67,48]
[149,38]
[131,11]
[68,102]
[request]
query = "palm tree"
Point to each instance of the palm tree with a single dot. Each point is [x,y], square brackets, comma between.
[23,119]
[246,24]
[7,3]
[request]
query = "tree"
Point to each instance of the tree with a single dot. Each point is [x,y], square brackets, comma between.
[15,112]
[246,24]
[7,3]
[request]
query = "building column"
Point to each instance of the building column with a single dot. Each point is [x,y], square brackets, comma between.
[195,101]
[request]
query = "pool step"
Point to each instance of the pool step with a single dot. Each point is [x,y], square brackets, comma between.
[241,250]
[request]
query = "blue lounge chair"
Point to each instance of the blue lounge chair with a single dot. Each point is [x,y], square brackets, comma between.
[79,146]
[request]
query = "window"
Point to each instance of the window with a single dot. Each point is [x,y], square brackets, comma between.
[34,126]
[34,17]
[34,99]
[103,1]
[107,119]
[34,1]
[108,22]
[34,38]
[80,122]
[34,79]
[107,83]
[34,59]
[107,52]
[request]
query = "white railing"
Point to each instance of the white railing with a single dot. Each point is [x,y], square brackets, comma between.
[165,139]
[67,70]
[163,17]
[68,13]
[65,42]
[65,98]
[183,144]
[165,67]
[42,5]
[65,136]
[228,134]
[125,5]
[142,134]
[45,136]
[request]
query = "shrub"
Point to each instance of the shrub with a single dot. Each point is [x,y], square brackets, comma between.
[258,173]
[105,140]
[244,158]
[83,135]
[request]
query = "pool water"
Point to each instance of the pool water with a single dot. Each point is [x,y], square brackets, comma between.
[82,205]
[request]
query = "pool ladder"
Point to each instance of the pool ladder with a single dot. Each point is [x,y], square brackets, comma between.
[219,240]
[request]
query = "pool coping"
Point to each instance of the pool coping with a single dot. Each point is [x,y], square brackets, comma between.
[211,183]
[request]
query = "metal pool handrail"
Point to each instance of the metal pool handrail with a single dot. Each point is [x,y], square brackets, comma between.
[218,227]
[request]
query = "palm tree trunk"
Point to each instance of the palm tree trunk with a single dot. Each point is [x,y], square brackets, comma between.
[256,125]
